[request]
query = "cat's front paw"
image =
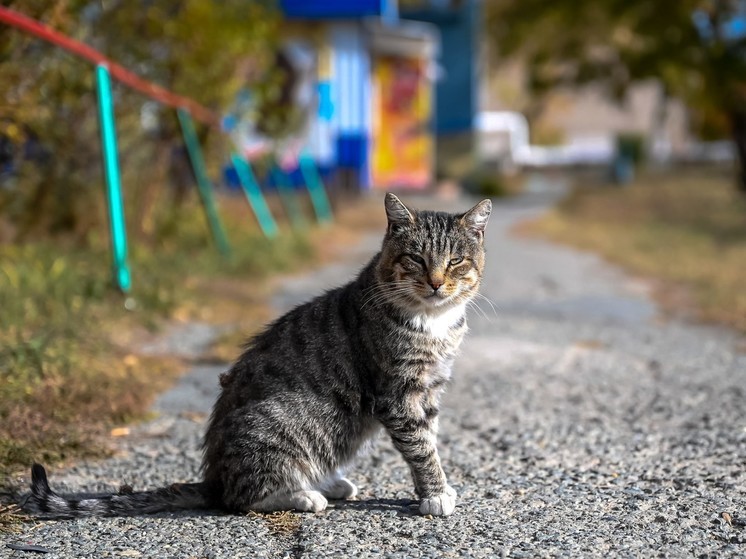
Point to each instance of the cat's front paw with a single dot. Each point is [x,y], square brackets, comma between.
[439,505]
[308,501]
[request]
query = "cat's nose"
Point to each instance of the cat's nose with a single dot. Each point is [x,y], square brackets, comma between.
[435,284]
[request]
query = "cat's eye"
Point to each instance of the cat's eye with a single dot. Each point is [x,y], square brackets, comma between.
[417,259]
[455,261]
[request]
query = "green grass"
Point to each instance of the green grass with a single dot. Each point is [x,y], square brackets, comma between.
[67,368]
[686,230]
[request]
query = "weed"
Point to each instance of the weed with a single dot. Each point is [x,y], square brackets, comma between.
[284,523]
[11,519]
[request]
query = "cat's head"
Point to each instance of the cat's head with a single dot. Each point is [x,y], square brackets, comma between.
[432,261]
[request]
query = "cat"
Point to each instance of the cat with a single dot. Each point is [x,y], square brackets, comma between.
[310,390]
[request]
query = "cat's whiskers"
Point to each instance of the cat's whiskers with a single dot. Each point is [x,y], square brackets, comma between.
[385,292]
[473,305]
[488,301]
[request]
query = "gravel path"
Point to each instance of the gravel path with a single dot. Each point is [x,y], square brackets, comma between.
[579,424]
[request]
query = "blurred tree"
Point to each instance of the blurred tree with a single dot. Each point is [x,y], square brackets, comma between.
[696,48]
[204,49]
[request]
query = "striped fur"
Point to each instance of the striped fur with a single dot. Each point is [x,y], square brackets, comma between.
[321,381]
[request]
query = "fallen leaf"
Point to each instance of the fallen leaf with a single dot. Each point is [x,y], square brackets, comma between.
[120,432]
[131,360]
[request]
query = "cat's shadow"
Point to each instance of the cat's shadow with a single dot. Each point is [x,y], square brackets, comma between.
[402,507]
[394,507]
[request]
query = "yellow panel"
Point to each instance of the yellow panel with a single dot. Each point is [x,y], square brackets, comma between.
[402,140]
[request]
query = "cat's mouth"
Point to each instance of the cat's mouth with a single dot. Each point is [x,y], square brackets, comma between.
[436,298]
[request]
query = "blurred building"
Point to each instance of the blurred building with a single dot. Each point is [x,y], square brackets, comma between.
[582,125]
[373,124]
[388,80]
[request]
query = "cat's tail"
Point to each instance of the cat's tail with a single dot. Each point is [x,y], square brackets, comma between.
[45,503]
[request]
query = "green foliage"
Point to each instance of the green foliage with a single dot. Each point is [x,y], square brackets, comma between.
[571,42]
[203,49]
[616,42]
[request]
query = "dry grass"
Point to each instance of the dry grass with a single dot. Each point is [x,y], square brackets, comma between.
[352,220]
[283,523]
[12,518]
[687,230]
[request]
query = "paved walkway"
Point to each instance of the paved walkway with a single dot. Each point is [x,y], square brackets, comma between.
[579,424]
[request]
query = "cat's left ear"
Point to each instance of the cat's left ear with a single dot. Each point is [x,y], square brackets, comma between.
[475,220]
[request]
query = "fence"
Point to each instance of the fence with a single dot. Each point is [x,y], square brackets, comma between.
[187,111]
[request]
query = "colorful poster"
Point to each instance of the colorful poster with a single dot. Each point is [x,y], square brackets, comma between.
[402,137]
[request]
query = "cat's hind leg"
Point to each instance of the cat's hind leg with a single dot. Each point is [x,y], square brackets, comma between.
[302,501]
[338,487]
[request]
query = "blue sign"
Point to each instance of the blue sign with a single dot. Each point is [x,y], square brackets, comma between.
[334,9]
[731,29]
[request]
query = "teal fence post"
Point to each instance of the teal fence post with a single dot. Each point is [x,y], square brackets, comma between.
[315,186]
[203,182]
[289,200]
[112,176]
[254,196]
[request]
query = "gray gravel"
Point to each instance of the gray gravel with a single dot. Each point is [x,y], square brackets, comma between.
[579,424]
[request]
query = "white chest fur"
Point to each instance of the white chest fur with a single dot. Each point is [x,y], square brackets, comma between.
[438,325]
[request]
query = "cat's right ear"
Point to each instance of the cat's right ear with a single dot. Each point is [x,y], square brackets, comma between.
[475,220]
[397,213]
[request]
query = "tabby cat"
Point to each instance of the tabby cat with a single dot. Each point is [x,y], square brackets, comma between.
[323,379]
